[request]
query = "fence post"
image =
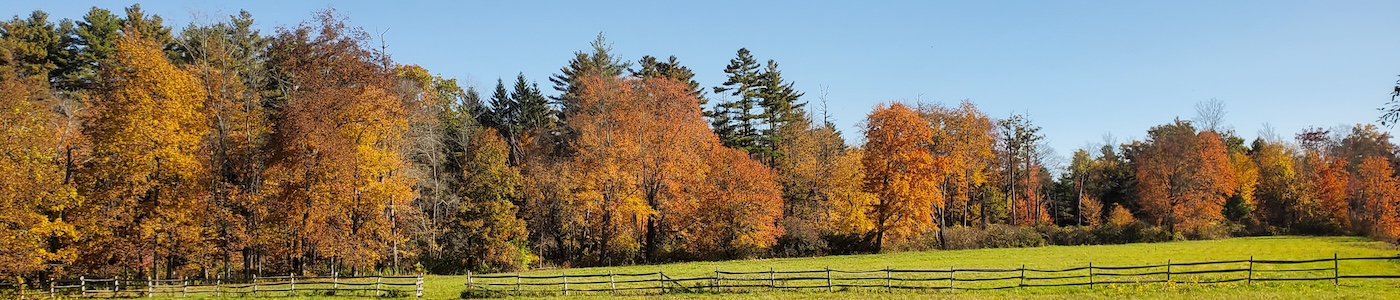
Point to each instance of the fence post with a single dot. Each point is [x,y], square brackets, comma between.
[828,279]
[51,288]
[255,285]
[888,287]
[1335,272]
[772,281]
[564,275]
[1169,271]
[1023,277]
[293,277]
[335,282]
[469,281]
[218,287]
[612,283]
[82,286]
[150,287]
[1250,279]
[185,287]
[117,285]
[661,281]
[419,285]
[952,276]
[717,281]
[517,281]
[377,281]
[1091,275]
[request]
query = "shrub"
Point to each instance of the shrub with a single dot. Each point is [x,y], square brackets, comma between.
[800,239]
[1008,236]
[958,238]
[1212,231]
[1068,235]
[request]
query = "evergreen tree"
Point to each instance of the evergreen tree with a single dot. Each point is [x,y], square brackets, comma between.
[532,107]
[737,120]
[35,43]
[780,109]
[94,42]
[601,62]
[671,68]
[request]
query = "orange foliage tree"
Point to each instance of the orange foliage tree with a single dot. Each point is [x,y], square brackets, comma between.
[645,174]
[734,211]
[1183,177]
[901,172]
[1375,193]
[337,177]
[1329,179]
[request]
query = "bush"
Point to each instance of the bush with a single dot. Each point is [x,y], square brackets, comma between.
[1008,236]
[1134,232]
[1068,235]
[1212,231]
[841,244]
[958,238]
[800,239]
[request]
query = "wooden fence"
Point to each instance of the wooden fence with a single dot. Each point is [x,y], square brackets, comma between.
[267,286]
[948,279]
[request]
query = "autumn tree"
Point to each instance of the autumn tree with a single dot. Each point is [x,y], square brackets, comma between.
[36,195]
[963,141]
[901,172]
[1183,176]
[1374,195]
[821,180]
[227,58]
[337,176]
[735,209]
[148,173]
[1020,145]
[1364,140]
[1278,193]
[484,234]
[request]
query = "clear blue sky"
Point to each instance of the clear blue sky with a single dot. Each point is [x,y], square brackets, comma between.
[1079,68]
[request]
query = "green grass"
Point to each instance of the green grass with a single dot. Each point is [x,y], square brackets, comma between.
[1052,257]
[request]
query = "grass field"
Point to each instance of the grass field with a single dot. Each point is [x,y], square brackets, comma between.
[1261,248]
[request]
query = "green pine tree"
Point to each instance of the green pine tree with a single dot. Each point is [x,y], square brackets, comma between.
[671,68]
[532,107]
[601,62]
[737,120]
[781,108]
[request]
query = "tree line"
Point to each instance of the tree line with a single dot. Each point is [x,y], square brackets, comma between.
[130,149]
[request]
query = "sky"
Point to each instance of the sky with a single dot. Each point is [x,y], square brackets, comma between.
[1082,70]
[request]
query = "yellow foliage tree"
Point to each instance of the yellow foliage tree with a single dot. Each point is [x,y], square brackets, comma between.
[147,176]
[33,193]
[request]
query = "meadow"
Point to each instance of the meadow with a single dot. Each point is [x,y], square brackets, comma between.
[1049,257]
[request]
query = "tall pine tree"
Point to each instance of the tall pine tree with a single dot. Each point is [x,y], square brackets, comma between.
[781,109]
[736,121]
[600,63]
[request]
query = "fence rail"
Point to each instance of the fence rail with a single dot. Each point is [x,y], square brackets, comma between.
[258,286]
[943,279]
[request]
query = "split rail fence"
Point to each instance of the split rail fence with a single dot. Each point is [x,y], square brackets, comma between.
[946,279]
[258,286]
